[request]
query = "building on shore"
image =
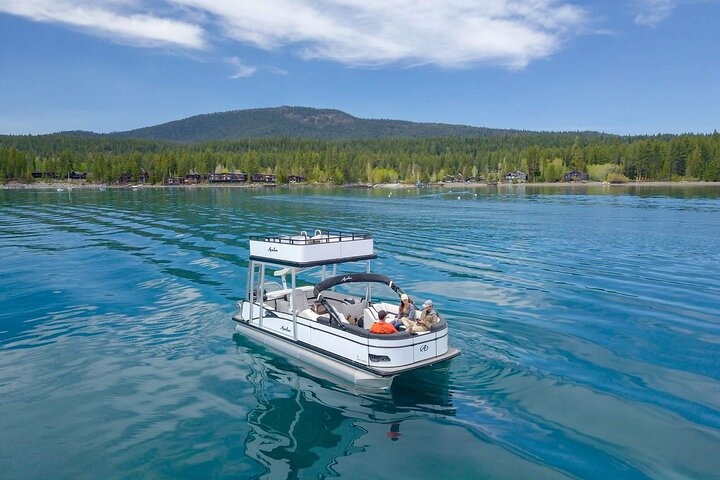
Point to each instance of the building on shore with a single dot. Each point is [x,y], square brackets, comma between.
[192,178]
[457,178]
[576,176]
[516,176]
[51,175]
[264,177]
[226,177]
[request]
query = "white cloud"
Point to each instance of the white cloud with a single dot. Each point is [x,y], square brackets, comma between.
[652,12]
[241,70]
[357,33]
[276,70]
[453,33]
[118,19]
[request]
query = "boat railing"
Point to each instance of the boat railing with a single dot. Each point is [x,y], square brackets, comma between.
[318,237]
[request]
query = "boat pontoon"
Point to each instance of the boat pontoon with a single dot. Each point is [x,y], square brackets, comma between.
[328,324]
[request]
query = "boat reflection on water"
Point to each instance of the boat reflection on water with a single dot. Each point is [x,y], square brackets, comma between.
[306,421]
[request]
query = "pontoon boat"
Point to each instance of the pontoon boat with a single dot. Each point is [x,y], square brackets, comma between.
[328,324]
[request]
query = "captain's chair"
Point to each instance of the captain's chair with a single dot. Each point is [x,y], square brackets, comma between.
[301,302]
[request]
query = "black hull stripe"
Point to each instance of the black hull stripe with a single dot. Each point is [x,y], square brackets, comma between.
[334,356]
[273,261]
[319,351]
[350,339]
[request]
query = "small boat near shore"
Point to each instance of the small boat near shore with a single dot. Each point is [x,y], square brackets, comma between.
[327,324]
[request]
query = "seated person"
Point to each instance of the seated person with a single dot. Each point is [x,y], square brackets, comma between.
[381,326]
[319,308]
[427,318]
[354,321]
[406,310]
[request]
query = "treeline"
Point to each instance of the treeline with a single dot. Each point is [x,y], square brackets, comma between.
[544,157]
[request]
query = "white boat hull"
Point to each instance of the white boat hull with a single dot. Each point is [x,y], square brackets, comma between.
[347,373]
[366,360]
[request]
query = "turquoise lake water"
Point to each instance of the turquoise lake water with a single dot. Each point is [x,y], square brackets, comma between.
[589,320]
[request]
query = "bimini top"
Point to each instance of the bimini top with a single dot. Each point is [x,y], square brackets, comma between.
[323,248]
[355,278]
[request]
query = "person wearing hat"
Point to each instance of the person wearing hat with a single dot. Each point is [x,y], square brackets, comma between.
[381,326]
[427,318]
[406,310]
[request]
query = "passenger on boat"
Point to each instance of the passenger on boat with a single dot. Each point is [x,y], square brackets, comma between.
[406,310]
[381,326]
[428,317]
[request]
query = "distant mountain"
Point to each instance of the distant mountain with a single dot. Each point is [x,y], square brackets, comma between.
[80,133]
[297,122]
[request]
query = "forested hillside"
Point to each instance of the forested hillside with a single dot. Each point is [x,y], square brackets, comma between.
[545,157]
[294,122]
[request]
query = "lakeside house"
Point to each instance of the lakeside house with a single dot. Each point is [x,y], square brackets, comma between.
[192,178]
[195,178]
[576,176]
[264,177]
[457,178]
[71,176]
[460,178]
[189,179]
[453,178]
[127,177]
[227,177]
[52,175]
[516,176]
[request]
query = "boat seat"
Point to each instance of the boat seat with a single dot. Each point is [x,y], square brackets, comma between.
[391,309]
[308,313]
[339,315]
[283,306]
[369,316]
[355,308]
[301,302]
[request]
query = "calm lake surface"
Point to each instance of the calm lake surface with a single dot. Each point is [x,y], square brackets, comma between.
[589,320]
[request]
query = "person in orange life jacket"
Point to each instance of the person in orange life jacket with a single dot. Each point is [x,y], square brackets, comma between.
[381,326]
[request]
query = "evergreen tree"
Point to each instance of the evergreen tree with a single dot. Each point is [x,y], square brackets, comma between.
[695,164]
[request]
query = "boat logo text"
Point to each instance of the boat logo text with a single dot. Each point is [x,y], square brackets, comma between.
[345,279]
[272,249]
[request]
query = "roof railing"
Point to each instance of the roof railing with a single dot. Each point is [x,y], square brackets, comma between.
[303,238]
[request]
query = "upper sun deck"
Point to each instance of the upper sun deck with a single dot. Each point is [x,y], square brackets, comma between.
[323,248]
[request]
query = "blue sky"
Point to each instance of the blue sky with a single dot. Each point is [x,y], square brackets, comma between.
[625,67]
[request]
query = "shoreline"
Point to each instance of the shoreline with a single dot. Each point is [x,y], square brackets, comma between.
[555,184]
[65,185]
